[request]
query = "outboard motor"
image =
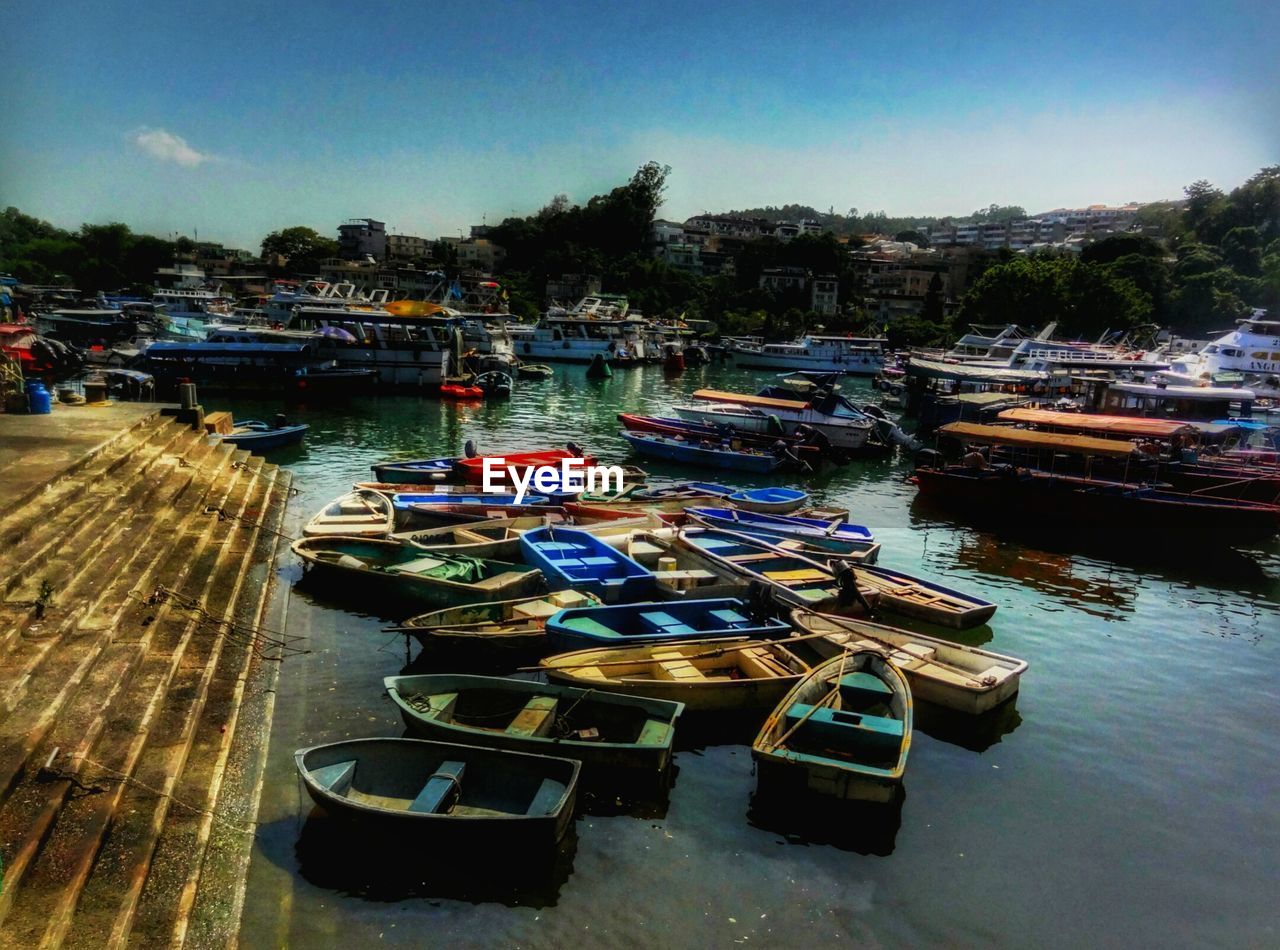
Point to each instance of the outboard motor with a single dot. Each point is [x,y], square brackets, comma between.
[928,458]
[575,449]
[759,601]
[469,450]
[847,592]
[281,420]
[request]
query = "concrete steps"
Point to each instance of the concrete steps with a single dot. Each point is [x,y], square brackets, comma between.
[135,697]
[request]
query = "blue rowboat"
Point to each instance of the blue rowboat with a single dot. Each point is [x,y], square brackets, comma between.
[575,559]
[461,796]
[844,730]
[259,436]
[406,501]
[911,596]
[419,472]
[625,625]
[708,455]
[837,536]
[773,501]
[683,490]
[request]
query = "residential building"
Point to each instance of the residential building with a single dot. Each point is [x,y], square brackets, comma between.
[781,279]
[407,247]
[824,294]
[479,254]
[572,287]
[359,238]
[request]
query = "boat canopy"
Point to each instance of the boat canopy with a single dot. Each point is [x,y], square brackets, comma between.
[1201,393]
[1025,438]
[932,369]
[742,399]
[1118,425]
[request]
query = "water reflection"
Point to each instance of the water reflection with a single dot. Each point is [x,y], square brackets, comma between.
[373,866]
[976,733]
[806,818]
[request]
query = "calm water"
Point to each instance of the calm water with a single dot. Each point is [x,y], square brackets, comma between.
[1131,796]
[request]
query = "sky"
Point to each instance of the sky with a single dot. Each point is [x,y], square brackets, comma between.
[236,119]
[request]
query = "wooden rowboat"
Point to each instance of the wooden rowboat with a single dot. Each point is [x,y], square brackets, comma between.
[500,537]
[458,795]
[901,593]
[572,558]
[966,679]
[680,572]
[511,631]
[705,675]
[634,624]
[605,731]
[358,514]
[844,730]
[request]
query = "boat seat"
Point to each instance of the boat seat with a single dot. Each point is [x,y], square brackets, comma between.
[588,626]
[642,549]
[536,719]
[664,622]
[839,728]
[761,663]
[801,576]
[918,650]
[674,666]
[419,565]
[546,798]
[997,673]
[441,790]
[597,561]
[654,732]
[336,778]
[589,673]
[730,618]
[863,689]
[441,705]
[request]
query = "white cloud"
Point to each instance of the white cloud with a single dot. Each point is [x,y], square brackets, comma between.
[168,147]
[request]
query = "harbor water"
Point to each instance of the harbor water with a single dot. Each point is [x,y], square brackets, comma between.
[1130,797]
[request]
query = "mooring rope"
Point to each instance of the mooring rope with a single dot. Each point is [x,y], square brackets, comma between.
[224,515]
[259,638]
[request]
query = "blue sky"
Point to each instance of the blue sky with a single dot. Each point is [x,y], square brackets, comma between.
[238,119]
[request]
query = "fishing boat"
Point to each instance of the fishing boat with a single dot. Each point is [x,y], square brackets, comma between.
[472,469]
[958,677]
[605,731]
[838,537]
[402,571]
[773,501]
[535,371]
[510,631]
[258,436]
[844,424]
[844,730]
[705,454]
[789,576]
[679,572]
[415,472]
[633,624]
[494,383]
[705,675]
[357,514]
[910,596]
[459,795]
[575,559]
[810,451]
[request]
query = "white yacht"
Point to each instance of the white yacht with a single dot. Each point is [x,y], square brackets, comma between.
[1252,350]
[192,313]
[856,356]
[600,324]
[418,352]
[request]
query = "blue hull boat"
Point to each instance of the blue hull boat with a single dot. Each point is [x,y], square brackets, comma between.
[773,501]
[710,456]
[626,625]
[838,536]
[684,490]
[575,559]
[260,436]
[419,472]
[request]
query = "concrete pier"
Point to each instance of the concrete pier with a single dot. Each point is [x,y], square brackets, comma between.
[136,567]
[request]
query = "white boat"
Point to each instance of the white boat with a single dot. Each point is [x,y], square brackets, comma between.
[844,425]
[1252,350]
[405,351]
[598,325]
[857,356]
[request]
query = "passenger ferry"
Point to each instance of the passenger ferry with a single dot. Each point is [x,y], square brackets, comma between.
[598,324]
[416,352]
[191,314]
[856,356]
[1251,350]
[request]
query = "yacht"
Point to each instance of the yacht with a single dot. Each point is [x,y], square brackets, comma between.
[191,314]
[599,324]
[856,356]
[417,352]
[1252,351]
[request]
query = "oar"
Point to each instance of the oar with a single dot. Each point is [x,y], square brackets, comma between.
[841,622]
[821,704]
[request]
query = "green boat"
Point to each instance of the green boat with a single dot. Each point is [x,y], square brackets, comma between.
[844,730]
[403,571]
[607,732]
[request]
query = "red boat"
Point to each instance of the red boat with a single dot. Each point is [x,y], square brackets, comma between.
[472,469]
[454,391]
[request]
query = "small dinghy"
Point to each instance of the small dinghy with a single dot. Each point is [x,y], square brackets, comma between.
[631,624]
[494,384]
[791,577]
[774,501]
[403,571]
[682,491]
[258,436]
[844,730]
[605,731]
[966,679]
[535,372]
[705,675]
[510,631]
[836,536]
[706,454]
[358,514]
[678,571]
[910,596]
[461,795]
[495,538]
[416,472]
[572,558]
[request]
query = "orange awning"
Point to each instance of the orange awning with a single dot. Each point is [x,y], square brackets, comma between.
[743,399]
[1118,425]
[1027,439]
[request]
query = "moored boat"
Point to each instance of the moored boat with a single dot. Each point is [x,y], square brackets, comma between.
[535,371]
[838,537]
[576,559]
[771,501]
[359,514]
[258,436]
[705,453]
[494,383]
[680,572]
[459,795]
[844,730]
[415,472]
[472,469]
[637,623]
[605,731]
[958,677]
[910,596]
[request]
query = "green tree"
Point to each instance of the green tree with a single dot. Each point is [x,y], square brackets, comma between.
[301,247]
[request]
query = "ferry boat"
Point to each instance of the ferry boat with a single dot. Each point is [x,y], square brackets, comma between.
[856,356]
[600,324]
[416,352]
[191,314]
[1252,350]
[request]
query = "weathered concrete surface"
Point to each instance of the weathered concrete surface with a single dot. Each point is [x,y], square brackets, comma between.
[136,570]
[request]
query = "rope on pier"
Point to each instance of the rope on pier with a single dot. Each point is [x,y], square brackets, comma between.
[267,644]
[224,515]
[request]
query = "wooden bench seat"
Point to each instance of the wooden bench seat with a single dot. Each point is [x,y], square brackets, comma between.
[441,790]
[536,719]
[841,728]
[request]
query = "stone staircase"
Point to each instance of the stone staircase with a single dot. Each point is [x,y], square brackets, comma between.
[131,590]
